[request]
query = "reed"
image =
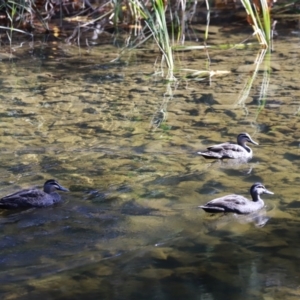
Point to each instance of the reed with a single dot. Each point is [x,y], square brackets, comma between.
[266,20]
[157,24]
[151,19]
[259,18]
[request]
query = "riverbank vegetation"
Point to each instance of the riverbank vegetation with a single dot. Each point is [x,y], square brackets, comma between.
[167,23]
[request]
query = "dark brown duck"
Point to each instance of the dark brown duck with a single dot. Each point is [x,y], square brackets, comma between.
[34,197]
[238,204]
[229,150]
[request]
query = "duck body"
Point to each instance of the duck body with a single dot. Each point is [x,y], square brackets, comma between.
[34,197]
[229,150]
[238,204]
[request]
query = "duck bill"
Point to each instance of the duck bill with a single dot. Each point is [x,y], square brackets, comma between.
[253,142]
[61,188]
[268,192]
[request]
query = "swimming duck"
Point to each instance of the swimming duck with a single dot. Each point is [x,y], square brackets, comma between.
[228,150]
[34,197]
[238,204]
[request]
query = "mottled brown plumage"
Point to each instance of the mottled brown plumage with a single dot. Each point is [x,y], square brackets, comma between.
[34,197]
[229,150]
[238,204]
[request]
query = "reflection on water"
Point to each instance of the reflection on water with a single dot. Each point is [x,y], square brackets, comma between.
[216,221]
[130,227]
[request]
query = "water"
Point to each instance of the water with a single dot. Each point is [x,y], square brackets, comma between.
[130,227]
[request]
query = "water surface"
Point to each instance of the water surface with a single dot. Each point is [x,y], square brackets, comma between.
[124,142]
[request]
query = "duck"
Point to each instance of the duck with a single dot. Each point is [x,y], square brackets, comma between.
[34,197]
[238,204]
[229,150]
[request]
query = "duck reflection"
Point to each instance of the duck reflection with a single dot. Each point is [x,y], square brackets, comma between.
[234,166]
[216,222]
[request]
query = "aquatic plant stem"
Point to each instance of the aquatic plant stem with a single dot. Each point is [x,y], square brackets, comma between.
[262,32]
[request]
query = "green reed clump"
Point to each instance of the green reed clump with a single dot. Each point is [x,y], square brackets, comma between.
[155,19]
[151,19]
[261,25]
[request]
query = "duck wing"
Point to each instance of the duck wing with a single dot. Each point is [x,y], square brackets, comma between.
[219,147]
[224,150]
[227,148]
[24,198]
[229,203]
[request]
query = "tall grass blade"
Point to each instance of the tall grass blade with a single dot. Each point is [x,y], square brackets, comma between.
[261,30]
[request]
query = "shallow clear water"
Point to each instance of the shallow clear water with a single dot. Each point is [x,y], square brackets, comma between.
[124,142]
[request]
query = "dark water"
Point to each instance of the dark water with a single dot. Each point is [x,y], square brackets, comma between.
[124,142]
